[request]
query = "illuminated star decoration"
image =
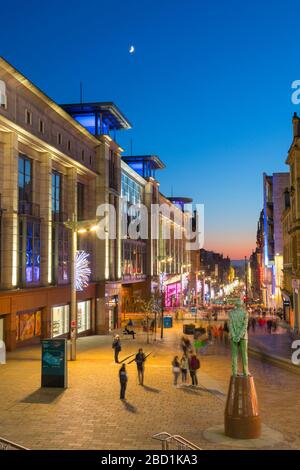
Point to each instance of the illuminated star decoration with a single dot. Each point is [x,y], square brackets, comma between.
[82,270]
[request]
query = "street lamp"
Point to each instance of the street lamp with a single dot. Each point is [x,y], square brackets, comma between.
[75,227]
[161,274]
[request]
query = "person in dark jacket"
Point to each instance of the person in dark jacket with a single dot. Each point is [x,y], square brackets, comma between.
[140,359]
[123,381]
[194,365]
[117,347]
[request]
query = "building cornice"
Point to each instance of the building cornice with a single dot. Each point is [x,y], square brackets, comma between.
[41,146]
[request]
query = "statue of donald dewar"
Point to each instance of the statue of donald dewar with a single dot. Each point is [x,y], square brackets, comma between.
[238,329]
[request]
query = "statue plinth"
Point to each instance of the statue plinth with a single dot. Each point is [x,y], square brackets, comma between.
[242,420]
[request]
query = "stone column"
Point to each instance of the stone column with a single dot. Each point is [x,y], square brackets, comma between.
[46,215]
[9,197]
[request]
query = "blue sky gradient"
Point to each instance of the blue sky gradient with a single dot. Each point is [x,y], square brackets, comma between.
[208,89]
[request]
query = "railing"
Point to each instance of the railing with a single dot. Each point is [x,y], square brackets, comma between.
[8,445]
[175,442]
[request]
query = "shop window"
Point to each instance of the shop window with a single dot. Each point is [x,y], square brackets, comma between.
[83,316]
[28,325]
[60,320]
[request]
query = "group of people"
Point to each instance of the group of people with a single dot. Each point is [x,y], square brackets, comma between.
[265,325]
[186,364]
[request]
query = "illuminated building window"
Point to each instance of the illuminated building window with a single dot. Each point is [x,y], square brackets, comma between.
[60,234]
[60,320]
[29,251]
[59,138]
[56,192]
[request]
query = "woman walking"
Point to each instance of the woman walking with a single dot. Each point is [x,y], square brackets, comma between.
[184,366]
[176,369]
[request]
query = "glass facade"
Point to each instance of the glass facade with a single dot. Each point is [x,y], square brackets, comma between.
[131,191]
[93,123]
[60,320]
[133,259]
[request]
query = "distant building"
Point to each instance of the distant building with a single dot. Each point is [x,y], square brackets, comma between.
[291,233]
[272,256]
[256,264]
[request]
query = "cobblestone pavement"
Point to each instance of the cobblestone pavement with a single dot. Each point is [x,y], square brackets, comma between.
[90,415]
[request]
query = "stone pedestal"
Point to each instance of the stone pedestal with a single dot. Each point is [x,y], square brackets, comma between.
[242,420]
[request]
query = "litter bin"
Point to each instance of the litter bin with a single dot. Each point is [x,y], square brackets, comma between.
[189,329]
[168,322]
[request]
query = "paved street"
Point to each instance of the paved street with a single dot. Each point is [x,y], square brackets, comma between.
[89,414]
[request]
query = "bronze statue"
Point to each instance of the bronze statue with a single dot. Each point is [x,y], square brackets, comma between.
[238,329]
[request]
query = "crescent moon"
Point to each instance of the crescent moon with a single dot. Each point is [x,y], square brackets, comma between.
[132,49]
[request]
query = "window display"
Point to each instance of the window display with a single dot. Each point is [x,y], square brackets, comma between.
[28,325]
[83,316]
[60,320]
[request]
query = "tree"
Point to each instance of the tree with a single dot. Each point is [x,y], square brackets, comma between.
[149,307]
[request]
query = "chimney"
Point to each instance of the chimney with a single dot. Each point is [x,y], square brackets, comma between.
[296,125]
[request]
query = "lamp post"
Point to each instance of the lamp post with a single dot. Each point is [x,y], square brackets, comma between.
[75,227]
[161,273]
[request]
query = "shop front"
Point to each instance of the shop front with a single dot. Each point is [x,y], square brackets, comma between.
[84,317]
[28,327]
[60,319]
[173,294]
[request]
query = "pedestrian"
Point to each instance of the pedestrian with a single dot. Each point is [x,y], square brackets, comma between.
[194,365]
[253,324]
[184,366]
[123,381]
[117,347]
[176,369]
[269,326]
[140,359]
[226,333]
[221,333]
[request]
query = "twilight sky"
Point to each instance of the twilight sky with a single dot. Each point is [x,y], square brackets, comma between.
[208,88]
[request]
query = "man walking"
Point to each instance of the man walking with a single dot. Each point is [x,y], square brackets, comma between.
[117,347]
[140,359]
[123,381]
